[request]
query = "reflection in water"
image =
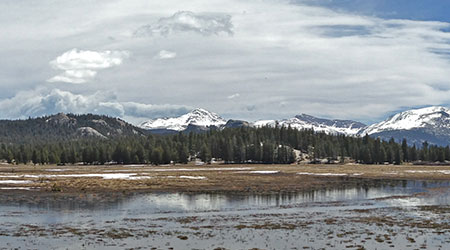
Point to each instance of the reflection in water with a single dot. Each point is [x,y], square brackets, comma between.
[182,202]
[159,219]
[379,189]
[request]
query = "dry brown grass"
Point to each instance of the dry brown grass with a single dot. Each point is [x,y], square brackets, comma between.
[218,178]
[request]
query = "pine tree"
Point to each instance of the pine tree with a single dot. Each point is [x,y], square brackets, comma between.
[398,156]
[405,150]
[205,154]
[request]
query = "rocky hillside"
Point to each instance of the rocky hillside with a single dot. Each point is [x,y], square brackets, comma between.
[65,126]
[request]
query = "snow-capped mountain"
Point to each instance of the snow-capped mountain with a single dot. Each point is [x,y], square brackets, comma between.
[197,117]
[433,117]
[430,124]
[263,123]
[304,121]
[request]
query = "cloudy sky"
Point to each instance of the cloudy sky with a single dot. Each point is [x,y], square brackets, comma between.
[260,59]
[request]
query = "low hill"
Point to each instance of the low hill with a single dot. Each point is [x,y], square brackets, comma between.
[65,127]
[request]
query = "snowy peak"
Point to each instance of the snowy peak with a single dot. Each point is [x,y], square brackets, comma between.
[319,122]
[204,118]
[430,124]
[305,121]
[435,117]
[265,123]
[198,117]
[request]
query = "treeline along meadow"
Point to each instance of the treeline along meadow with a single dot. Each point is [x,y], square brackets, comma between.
[265,145]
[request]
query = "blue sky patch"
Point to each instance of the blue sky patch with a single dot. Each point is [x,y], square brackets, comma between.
[426,10]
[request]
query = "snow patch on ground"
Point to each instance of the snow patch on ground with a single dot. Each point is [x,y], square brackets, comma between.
[195,169]
[428,171]
[17,188]
[109,172]
[129,176]
[265,172]
[14,182]
[193,177]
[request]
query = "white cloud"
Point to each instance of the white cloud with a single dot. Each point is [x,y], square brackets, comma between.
[135,109]
[165,54]
[233,96]
[187,21]
[311,59]
[44,101]
[80,66]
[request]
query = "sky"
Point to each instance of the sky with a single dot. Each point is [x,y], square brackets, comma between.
[424,10]
[251,60]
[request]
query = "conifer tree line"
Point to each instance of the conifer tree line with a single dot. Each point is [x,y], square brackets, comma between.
[265,145]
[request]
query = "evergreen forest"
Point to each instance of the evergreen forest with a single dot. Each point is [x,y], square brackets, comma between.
[265,145]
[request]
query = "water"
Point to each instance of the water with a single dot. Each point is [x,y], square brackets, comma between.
[341,217]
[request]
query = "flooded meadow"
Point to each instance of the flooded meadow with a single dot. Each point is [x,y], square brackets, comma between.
[369,214]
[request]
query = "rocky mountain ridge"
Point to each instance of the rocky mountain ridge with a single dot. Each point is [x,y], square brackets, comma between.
[430,124]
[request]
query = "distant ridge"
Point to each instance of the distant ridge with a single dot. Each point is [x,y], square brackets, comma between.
[431,124]
[304,121]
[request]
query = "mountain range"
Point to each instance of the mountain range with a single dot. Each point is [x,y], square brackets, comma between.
[431,124]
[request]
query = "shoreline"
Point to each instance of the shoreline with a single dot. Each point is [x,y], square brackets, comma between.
[216,178]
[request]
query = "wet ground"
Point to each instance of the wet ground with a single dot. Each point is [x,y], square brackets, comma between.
[368,214]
